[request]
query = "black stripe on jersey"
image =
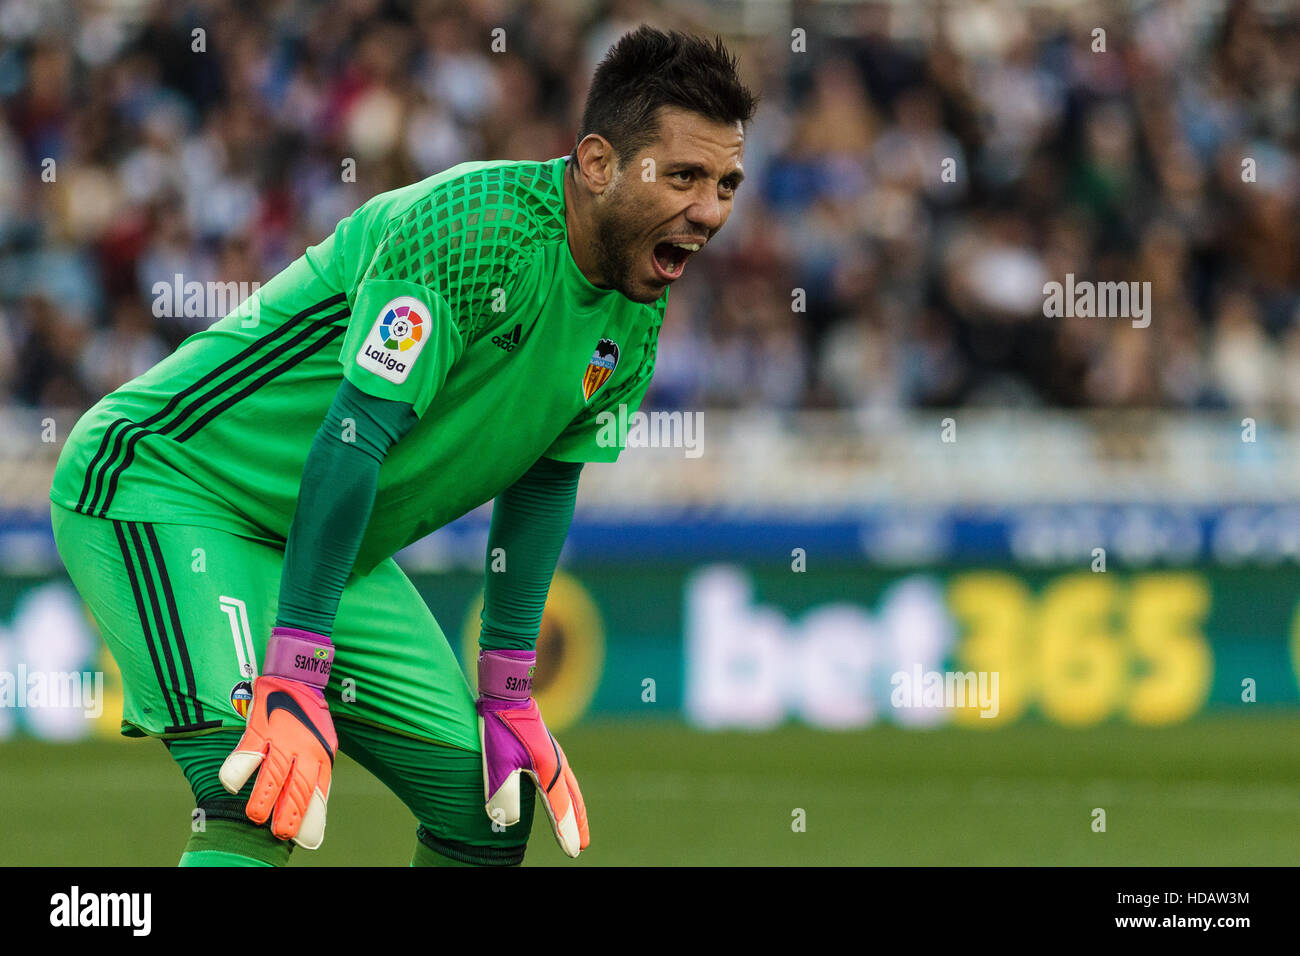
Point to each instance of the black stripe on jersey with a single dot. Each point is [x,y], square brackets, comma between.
[304,353]
[138,431]
[129,563]
[178,635]
[94,462]
[252,349]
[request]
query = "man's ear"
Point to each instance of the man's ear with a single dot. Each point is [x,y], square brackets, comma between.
[598,166]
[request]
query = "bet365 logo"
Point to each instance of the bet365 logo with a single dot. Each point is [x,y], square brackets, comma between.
[510,341]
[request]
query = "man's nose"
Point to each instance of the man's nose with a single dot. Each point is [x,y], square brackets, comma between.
[706,211]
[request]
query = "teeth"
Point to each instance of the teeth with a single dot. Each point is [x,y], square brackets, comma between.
[689,246]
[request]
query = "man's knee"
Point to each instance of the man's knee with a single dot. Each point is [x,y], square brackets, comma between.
[222,840]
[221,834]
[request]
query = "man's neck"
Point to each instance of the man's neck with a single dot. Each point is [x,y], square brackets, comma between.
[577,225]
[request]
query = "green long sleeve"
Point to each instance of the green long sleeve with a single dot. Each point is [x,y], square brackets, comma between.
[530,521]
[335,499]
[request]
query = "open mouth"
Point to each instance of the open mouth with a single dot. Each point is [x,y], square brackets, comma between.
[670,258]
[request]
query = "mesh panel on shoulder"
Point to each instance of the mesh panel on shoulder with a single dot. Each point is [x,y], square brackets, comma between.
[466,238]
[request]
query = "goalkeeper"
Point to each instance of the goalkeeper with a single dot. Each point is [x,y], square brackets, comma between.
[230,517]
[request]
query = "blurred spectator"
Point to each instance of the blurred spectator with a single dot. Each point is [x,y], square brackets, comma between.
[126,348]
[916,174]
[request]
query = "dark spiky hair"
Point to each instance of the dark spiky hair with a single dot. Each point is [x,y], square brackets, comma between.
[648,69]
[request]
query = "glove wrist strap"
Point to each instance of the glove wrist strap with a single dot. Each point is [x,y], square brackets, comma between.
[506,675]
[299,655]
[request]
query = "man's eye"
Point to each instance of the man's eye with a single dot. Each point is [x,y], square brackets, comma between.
[682,175]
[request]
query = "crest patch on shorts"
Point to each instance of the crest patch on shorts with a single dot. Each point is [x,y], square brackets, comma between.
[241,698]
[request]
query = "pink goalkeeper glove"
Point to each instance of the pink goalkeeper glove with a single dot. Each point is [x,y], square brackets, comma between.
[515,741]
[290,739]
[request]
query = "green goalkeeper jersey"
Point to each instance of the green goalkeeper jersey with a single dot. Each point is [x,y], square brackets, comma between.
[456,294]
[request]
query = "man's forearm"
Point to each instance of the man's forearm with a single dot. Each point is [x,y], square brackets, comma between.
[340,477]
[530,521]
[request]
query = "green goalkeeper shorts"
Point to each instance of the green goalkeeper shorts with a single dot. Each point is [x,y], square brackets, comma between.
[186,612]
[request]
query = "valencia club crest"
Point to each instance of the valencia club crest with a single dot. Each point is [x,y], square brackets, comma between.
[603,362]
[241,698]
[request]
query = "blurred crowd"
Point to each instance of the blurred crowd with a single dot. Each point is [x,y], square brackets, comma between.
[915,175]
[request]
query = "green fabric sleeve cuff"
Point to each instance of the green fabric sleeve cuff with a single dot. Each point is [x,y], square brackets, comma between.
[530,521]
[335,499]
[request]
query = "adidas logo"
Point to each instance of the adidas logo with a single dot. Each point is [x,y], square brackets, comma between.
[508,342]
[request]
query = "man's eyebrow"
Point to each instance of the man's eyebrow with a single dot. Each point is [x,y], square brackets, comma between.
[737,174]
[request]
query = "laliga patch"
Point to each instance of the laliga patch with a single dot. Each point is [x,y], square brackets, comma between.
[241,698]
[393,345]
[603,362]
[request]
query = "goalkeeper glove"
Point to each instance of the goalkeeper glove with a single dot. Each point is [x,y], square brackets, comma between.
[515,741]
[291,736]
